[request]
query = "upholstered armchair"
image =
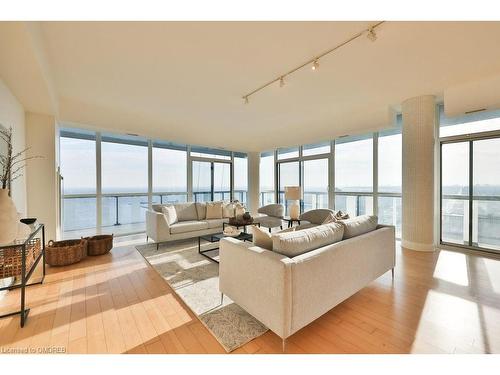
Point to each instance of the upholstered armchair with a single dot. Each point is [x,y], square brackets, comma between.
[316,216]
[271,216]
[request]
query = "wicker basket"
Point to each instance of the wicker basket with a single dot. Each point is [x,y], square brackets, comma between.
[99,245]
[11,258]
[63,253]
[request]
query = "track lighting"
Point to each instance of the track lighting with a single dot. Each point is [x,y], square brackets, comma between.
[315,65]
[369,32]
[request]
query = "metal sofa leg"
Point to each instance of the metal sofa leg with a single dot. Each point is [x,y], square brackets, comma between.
[221,298]
[157,245]
[283,344]
[269,230]
[392,271]
[147,238]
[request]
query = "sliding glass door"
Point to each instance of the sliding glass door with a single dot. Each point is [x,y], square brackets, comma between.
[211,181]
[470,192]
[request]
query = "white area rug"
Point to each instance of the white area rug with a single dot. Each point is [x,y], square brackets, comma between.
[196,280]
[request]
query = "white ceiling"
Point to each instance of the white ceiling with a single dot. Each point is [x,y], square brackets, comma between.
[183,81]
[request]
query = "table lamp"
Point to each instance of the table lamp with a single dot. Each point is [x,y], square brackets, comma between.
[294,194]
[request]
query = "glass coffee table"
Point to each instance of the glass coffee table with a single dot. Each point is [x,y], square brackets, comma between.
[215,238]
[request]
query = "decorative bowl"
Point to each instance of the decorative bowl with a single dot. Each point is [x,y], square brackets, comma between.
[231,232]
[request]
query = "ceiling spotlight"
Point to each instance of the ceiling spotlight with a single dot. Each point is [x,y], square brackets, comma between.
[282,81]
[245,98]
[315,65]
[371,34]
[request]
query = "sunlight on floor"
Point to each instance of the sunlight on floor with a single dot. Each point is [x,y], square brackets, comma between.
[452,267]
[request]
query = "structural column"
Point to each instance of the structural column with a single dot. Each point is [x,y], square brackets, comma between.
[253,181]
[419,118]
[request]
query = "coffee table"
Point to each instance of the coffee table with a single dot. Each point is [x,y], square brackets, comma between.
[215,238]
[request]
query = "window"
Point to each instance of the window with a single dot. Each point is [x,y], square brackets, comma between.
[468,124]
[288,153]
[289,175]
[240,177]
[212,153]
[78,169]
[389,178]
[316,149]
[470,185]
[354,174]
[266,174]
[124,164]
[169,172]
[315,184]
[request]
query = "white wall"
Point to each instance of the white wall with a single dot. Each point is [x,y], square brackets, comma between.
[12,115]
[41,178]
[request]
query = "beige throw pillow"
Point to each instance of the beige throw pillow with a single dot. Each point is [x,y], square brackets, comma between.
[262,238]
[359,225]
[214,210]
[228,210]
[170,214]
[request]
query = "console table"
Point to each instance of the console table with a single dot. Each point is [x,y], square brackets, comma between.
[19,259]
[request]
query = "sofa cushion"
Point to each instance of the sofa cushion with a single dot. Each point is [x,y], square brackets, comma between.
[188,226]
[186,211]
[170,214]
[359,225]
[262,238]
[214,210]
[301,241]
[216,223]
[228,210]
[201,210]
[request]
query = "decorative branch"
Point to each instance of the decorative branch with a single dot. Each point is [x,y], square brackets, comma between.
[12,164]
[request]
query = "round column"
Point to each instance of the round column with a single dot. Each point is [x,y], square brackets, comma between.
[419,120]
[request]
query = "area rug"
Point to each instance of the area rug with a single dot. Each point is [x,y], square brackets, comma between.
[195,279]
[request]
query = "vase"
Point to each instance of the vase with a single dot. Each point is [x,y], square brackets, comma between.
[8,218]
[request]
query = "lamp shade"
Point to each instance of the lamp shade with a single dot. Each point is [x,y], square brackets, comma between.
[293,193]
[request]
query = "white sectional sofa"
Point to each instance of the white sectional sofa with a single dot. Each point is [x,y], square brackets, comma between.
[191,222]
[287,293]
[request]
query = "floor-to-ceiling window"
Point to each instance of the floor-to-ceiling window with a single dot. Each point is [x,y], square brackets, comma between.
[354,174]
[124,165]
[389,194]
[109,180]
[78,169]
[169,172]
[240,167]
[266,178]
[470,180]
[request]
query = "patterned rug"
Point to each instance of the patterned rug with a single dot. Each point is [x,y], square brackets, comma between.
[195,279]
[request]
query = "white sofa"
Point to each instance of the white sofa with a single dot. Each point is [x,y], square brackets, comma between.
[191,223]
[286,294]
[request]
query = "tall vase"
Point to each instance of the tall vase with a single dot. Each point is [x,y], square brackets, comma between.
[8,218]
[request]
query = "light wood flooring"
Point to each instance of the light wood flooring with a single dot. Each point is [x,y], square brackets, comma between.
[443,302]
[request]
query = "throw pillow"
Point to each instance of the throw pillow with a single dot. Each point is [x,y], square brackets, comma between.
[228,210]
[330,219]
[359,225]
[214,210]
[170,214]
[299,242]
[262,238]
[339,215]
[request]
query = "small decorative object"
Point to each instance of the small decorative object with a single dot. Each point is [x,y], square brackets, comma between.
[339,215]
[294,194]
[247,216]
[63,253]
[231,231]
[239,210]
[99,245]
[30,221]
[8,218]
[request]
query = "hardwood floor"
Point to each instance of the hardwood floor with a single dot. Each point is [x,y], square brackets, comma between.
[441,302]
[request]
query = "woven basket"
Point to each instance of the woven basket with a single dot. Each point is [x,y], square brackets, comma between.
[11,258]
[63,253]
[99,245]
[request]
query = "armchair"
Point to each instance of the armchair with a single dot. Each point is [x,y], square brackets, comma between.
[271,216]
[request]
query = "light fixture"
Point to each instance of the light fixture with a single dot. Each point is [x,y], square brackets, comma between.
[315,65]
[369,32]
